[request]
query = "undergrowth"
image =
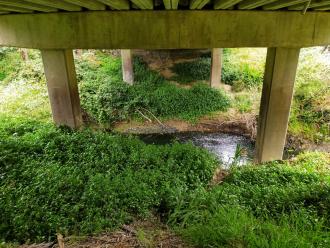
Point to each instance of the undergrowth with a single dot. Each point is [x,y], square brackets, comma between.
[274,205]
[61,181]
[240,75]
[310,116]
[108,99]
[54,180]
[188,72]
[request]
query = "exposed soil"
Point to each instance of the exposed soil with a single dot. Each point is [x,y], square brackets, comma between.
[244,124]
[163,60]
[147,233]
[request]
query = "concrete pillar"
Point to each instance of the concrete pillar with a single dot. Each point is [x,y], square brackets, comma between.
[216,67]
[280,73]
[62,87]
[127,66]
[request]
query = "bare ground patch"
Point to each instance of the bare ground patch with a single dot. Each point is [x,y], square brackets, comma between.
[140,234]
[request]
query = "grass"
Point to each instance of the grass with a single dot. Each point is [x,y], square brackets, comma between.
[56,180]
[240,75]
[310,108]
[197,70]
[274,205]
[108,99]
[23,90]
[9,63]
[243,103]
[104,96]
[80,183]
[311,112]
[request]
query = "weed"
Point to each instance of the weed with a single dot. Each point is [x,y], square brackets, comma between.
[243,103]
[193,71]
[311,113]
[56,180]
[109,100]
[273,205]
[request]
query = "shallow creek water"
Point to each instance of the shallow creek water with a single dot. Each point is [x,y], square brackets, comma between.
[223,145]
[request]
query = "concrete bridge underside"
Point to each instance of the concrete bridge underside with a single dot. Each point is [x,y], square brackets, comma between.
[57,27]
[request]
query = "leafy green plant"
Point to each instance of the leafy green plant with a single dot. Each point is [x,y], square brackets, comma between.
[109,100]
[241,76]
[188,72]
[311,113]
[57,180]
[271,205]
[243,103]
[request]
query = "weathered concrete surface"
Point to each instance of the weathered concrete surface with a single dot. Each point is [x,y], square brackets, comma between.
[280,73]
[62,87]
[165,29]
[216,68]
[127,65]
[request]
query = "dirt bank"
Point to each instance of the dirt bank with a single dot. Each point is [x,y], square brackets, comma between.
[225,123]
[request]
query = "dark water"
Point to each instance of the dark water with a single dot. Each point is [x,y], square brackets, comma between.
[223,145]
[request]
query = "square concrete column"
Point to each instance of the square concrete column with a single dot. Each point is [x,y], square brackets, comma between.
[216,68]
[280,73]
[62,87]
[127,66]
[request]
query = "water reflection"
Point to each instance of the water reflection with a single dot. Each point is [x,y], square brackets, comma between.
[228,148]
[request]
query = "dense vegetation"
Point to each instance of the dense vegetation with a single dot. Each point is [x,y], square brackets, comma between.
[240,76]
[56,180]
[107,99]
[243,69]
[85,182]
[274,205]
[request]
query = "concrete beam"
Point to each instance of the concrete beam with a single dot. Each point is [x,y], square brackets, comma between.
[280,73]
[91,5]
[8,8]
[198,4]
[252,4]
[283,4]
[225,4]
[216,68]
[116,4]
[144,4]
[312,5]
[171,4]
[57,4]
[127,66]
[165,29]
[62,87]
[26,5]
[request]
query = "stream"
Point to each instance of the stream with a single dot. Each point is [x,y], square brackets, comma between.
[223,145]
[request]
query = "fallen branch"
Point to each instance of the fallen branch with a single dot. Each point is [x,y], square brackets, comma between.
[155,117]
[60,240]
[144,116]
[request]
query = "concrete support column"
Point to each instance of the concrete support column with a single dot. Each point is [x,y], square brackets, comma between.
[280,73]
[127,66]
[216,67]
[62,87]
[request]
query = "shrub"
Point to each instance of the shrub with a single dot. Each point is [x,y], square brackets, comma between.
[109,100]
[241,76]
[193,71]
